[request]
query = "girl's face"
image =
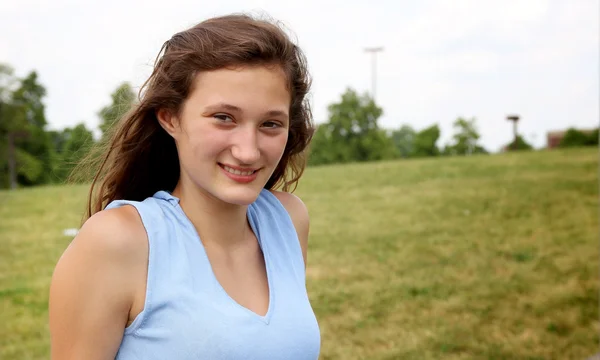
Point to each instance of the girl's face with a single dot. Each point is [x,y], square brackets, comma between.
[232,131]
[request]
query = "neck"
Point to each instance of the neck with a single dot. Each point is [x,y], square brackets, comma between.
[218,224]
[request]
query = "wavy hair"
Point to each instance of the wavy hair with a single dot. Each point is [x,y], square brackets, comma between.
[140,158]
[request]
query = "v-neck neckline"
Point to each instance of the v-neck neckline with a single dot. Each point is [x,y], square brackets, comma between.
[265,255]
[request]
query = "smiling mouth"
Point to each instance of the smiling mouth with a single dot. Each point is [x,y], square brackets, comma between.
[236,171]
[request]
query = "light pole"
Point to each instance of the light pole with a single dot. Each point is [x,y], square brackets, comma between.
[373,51]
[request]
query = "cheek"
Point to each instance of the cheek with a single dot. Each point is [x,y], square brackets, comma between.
[203,143]
[277,146]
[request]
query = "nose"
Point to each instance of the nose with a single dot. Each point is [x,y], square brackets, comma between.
[245,146]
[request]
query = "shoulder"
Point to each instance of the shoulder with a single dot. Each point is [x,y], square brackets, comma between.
[96,282]
[293,204]
[112,239]
[299,214]
[119,231]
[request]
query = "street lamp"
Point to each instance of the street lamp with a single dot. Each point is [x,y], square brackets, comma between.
[373,51]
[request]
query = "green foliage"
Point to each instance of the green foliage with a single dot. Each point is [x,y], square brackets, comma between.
[404,140]
[594,138]
[30,114]
[8,120]
[40,156]
[122,100]
[58,139]
[22,119]
[425,143]
[7,84]
[322,150]
[465,139]
[519,144]
[77,144]
[352,133]
[29,167]
[28,98]
[576,138]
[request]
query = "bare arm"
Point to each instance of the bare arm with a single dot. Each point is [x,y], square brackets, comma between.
[94,286]
[299,214]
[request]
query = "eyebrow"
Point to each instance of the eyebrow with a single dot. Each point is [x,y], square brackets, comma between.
[223,106]
[275,113]
[233,108]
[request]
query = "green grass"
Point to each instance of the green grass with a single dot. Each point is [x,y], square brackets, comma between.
[485,257]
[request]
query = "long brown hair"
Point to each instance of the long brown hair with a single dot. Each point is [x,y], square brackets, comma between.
[140,158]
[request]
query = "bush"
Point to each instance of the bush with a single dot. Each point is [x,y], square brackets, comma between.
[519,144]
[576,138]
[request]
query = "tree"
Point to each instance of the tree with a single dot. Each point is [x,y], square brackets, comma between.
[123,98]
[35,153]
[576,138]
[58,138]
[323,150]
[352,133]
[404,140]
[8,128]
[23,139]
[465,138]
[518,144]
[78,142]
[593,138]
[426,142]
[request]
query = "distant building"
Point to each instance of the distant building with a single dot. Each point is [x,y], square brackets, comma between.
[553,138]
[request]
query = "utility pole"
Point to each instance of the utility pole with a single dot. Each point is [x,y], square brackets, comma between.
[373,51]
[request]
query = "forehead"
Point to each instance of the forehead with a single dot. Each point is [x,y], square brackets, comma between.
[245,87]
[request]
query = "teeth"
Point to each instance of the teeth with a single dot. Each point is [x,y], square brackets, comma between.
[237,172]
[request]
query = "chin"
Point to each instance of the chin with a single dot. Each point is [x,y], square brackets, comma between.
[239,196]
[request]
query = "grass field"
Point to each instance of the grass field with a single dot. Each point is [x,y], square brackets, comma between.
[491,257]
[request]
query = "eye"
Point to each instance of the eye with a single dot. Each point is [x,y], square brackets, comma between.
[223,118]
[271,124]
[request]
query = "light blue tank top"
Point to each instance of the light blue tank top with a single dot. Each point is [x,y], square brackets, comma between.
[189,316]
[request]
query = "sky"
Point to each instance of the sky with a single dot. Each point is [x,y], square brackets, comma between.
[482,59]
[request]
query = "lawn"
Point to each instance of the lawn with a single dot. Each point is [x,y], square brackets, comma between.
[484,257]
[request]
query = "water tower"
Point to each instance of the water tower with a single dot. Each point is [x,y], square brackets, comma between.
[515,119]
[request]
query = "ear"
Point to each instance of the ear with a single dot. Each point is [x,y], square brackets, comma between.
[167,121]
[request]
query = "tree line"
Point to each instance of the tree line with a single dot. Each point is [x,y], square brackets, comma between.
[31,154]
[352,134]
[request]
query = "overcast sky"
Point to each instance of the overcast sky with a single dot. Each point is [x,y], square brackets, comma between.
[441,59]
